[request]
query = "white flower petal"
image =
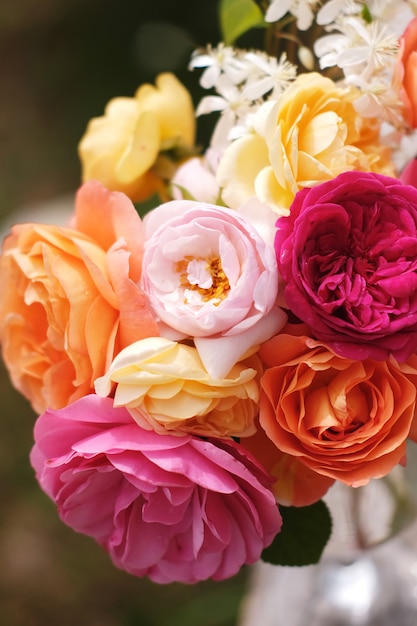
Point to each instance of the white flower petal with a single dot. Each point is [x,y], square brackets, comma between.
[277,9]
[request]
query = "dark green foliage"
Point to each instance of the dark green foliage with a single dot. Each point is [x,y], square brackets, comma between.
[305,532]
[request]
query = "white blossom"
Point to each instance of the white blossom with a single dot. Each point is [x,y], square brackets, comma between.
[218,61]
[360,42]
[395,15]
[333,9]
[234,110]
[366,53]
[277,9]
[269,75]
[302,10]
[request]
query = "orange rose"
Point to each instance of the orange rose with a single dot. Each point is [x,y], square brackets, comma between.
[406,72]
[70,300]
[296,484]
[344,419]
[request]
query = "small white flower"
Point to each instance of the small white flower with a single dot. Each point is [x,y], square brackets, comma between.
[269,75]
[334,9]
[241,80]
[277,9]
[395,14]
[229,97]
[303,10]
[377,100]
[234,108]
[361,46]
[366,53]
[218,61]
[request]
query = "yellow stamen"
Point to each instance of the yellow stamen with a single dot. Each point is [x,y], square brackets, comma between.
[219,282]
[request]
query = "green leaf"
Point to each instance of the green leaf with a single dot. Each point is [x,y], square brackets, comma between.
[366,14]
[305,532]
[147,205]
[184,192]
[237,17]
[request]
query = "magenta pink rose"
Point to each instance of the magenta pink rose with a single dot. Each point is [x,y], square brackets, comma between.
[347,254]
[170,508]
[409,174]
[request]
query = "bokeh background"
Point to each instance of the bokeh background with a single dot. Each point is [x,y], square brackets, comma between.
[60,62]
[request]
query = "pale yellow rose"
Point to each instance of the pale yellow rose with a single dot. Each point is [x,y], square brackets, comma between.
[122,149]
[310,135]
[165,387]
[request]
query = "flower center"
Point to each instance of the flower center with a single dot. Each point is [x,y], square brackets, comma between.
[204,276]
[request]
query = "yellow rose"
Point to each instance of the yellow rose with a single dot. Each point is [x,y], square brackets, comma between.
[310,135]
[122,149]
[164,386]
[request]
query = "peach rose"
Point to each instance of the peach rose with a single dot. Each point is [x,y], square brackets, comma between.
[70,300]
[123,148]
[406,72]
[309,135]
[165,387]
[342,418]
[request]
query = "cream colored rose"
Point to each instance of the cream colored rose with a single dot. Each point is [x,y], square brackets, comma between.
[122,149]
[310,135]
[164,386]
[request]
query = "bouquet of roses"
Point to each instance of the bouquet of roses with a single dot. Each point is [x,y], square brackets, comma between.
[218,336]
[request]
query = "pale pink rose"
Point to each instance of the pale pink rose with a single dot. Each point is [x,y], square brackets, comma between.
[170,508]
[262,218]
[195,179]
[208,275]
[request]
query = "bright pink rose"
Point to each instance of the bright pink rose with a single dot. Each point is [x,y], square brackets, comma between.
[170,508]
[348,257]
[409,174]
[208,273]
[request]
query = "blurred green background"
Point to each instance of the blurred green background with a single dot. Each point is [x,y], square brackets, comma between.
[60,62]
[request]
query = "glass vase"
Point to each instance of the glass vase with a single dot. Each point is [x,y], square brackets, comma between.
[368,572]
